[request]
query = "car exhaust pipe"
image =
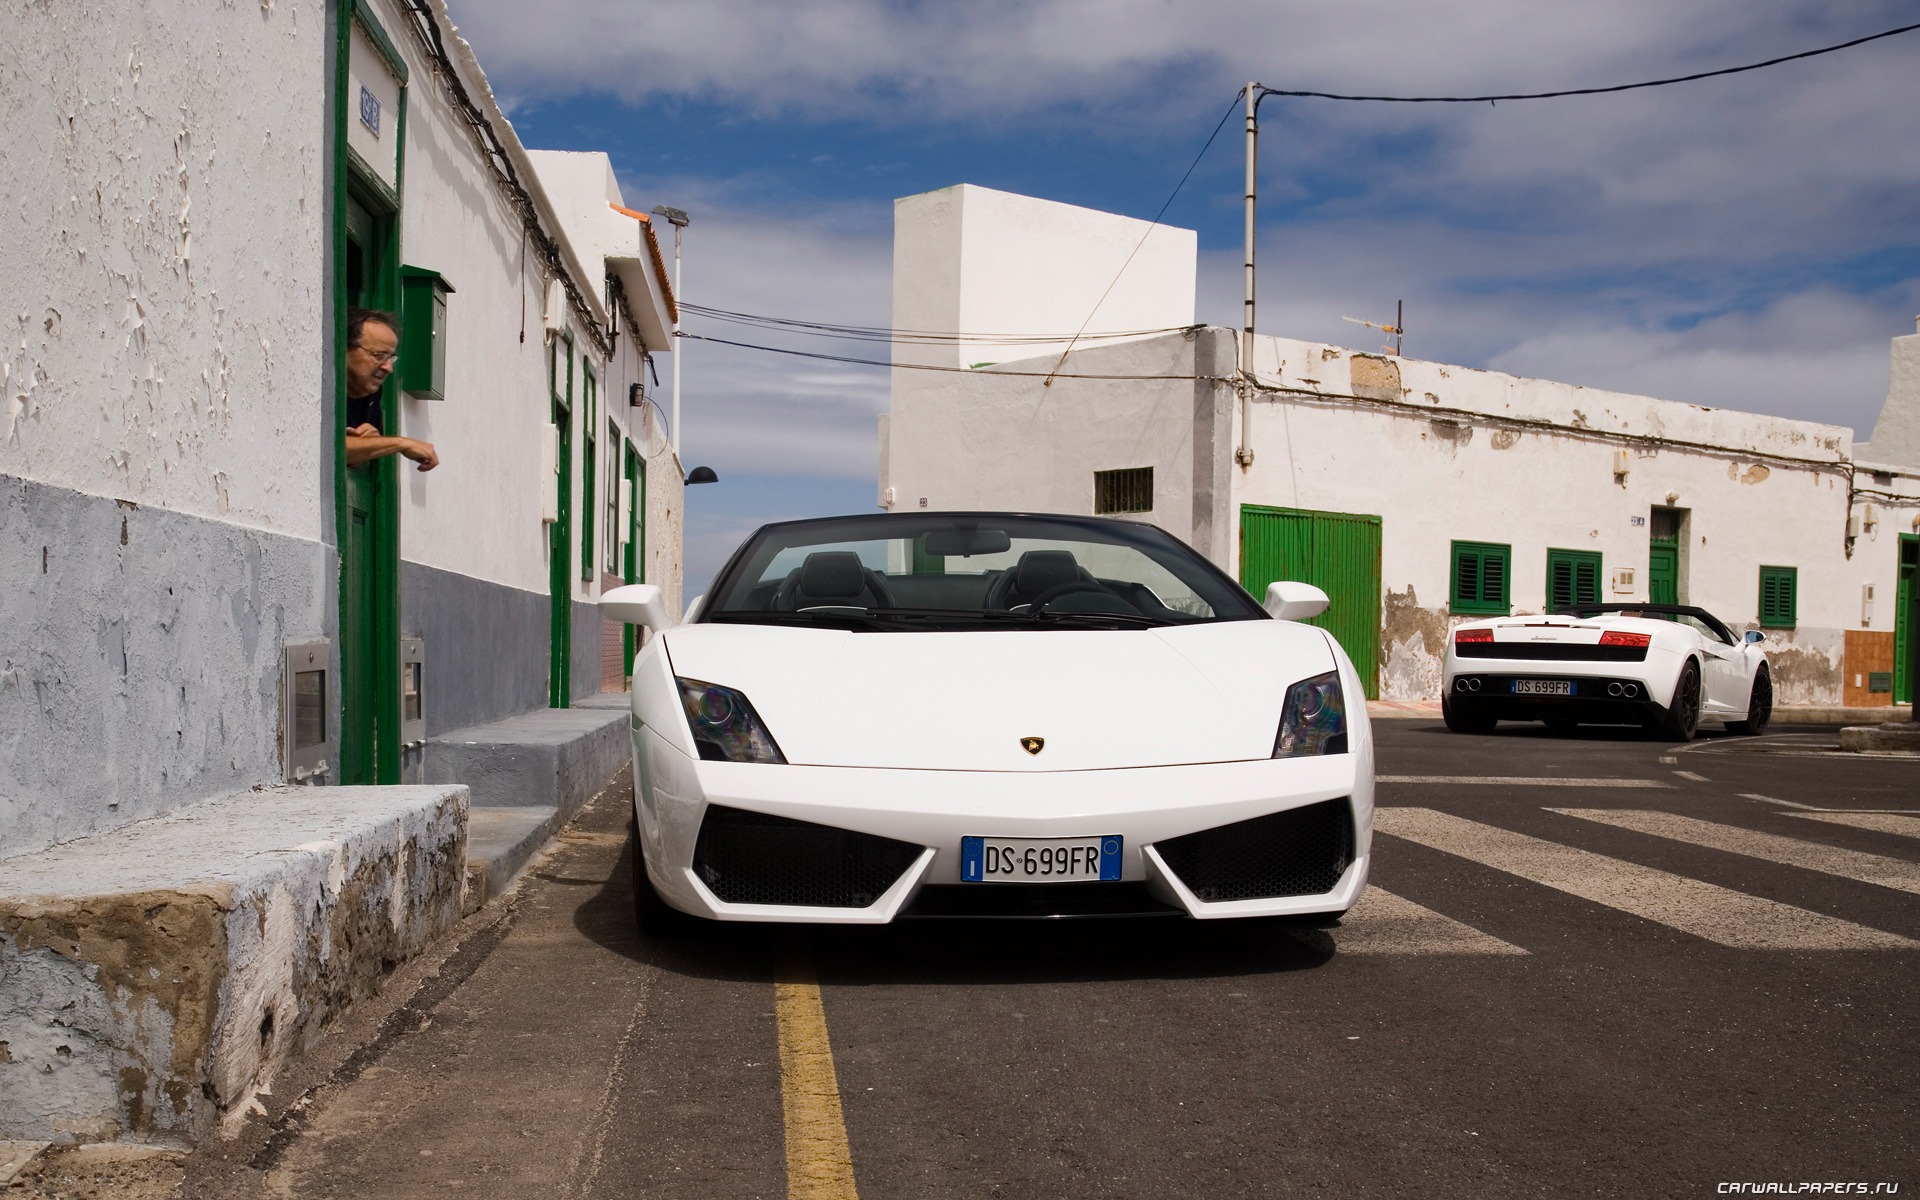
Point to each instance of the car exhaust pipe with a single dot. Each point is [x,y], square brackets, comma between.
[1615,690]
[1630,690]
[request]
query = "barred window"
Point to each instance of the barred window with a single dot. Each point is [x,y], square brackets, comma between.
[1124,491]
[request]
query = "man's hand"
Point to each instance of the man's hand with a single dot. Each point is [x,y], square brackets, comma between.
[420,452]
[365,444]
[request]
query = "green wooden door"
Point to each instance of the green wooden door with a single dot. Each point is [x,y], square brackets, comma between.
[369,535]
[1339,553]
[1903,630]
[1663,571]
[636,556]
[560,534]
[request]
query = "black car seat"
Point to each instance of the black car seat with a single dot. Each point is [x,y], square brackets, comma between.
[831,578]
[1036,573]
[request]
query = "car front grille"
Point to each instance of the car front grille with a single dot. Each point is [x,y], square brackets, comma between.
[754,858]
[1300,852]
[1560,651]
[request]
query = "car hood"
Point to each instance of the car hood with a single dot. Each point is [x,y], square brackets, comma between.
[963,701]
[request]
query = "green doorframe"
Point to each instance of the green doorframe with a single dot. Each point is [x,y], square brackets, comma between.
[366,500]
[1339,553]
[1907,566]
[560,537]
[636,556]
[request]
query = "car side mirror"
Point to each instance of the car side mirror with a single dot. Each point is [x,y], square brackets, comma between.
[1754,635]
[636,604]
[1290,601]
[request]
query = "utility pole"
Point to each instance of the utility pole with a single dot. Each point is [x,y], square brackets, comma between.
[1244,455]
[679,220]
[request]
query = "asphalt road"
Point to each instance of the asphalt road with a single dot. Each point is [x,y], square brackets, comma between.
[1548,991]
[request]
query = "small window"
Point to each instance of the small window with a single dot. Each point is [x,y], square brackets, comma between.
[1126,491]
[1779,596]
[1480,575]
[1573,577]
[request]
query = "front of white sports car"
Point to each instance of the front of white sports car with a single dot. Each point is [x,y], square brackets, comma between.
[1664,667]
[988,714]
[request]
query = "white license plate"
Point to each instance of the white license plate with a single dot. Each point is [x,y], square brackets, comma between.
[1040,860]
[1542,687]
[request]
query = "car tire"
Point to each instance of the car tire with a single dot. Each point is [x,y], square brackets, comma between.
[1682,718]
[1759,706]
[1460,721]
[656,918]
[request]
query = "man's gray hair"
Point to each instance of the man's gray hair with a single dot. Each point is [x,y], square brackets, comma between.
[357,317]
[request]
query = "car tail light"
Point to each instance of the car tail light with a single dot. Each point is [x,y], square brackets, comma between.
[1462,636]
[1615,638]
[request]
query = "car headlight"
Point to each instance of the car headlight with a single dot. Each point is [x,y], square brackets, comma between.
[1314,720]
[725,727]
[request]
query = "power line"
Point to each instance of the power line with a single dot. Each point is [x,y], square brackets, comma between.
[1592,91]
[880,333]
[876,362]
[1151,226]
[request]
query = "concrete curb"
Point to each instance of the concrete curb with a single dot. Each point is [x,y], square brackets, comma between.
[1892,737]
[155,979]
[551,757]
[500,841]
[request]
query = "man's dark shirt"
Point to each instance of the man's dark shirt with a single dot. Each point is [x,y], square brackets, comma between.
[365,410]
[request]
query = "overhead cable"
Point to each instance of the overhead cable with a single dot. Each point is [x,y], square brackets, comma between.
[876,333]
[875,362]
[1592,91]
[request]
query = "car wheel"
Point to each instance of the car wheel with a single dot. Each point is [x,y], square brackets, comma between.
[655,917]
[1682,719]
[1466,722]
[1759,706]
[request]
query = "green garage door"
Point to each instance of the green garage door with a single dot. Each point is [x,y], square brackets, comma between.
[1339,553]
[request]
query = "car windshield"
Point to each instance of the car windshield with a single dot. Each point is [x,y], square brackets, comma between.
[947,571]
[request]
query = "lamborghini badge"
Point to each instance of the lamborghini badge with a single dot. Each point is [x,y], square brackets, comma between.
[1033,745]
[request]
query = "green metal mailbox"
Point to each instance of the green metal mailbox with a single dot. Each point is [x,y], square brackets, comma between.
[423,341]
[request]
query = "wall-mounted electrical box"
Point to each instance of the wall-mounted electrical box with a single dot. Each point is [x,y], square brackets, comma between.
[1622,464]
[556,312]
[423,336]
[550,473]
[1623,580]
[306,703]
[1866,605]
[413,702]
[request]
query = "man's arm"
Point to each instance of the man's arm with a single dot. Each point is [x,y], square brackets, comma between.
[363,448]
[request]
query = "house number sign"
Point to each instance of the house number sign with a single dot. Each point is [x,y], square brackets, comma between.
[370,111]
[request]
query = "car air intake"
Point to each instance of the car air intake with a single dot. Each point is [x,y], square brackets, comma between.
[753,858]
[1300,852]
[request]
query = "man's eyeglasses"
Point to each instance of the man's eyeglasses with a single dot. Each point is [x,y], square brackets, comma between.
[382,357]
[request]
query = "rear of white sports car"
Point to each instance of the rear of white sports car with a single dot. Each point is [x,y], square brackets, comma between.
[1561,669]
[1110,766]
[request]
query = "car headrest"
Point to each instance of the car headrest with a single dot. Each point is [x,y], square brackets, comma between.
[835,573]
[1039,570]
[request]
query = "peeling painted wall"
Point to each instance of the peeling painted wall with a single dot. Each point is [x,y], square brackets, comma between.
[161,256]
[154,980]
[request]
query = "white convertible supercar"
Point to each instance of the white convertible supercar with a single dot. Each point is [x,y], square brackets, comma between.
[1661,666]
[991,714]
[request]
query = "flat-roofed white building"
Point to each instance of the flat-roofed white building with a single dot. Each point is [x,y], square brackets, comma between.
[1416,493]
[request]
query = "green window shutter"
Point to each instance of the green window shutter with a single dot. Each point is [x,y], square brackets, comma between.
[1481,574]
[1779,596]
[1573,577]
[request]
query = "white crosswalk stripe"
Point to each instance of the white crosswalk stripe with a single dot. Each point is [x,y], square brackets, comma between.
[1899,824]
[1383,923]
[1771,847]
[1707,911]
[1525,781]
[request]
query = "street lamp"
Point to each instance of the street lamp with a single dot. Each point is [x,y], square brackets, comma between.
[679,219]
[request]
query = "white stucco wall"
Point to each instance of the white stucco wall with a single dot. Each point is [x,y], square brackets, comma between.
[161,218]
[1458,460]
[1896,434]
[978,261]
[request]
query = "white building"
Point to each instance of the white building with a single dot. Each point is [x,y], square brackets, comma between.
[1416,493]
[200,598]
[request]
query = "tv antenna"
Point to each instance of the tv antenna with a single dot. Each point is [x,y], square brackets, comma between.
[1396,329]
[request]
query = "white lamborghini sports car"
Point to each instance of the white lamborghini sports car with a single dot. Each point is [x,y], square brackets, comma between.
[991,714]
[1664,667]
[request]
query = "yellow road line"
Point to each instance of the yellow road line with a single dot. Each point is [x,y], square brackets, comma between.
[819,1161]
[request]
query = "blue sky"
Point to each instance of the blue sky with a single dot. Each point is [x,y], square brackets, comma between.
[1749,242]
